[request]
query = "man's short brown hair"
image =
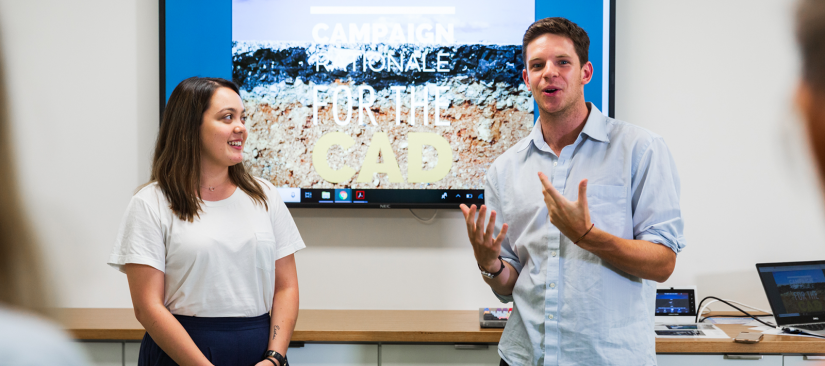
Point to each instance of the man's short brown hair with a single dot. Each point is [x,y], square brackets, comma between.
[562,27]
[810,33]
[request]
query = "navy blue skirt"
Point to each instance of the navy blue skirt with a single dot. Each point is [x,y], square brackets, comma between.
[224,341]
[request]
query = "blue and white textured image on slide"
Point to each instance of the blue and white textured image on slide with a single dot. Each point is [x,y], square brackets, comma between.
[365,95]
[802,290]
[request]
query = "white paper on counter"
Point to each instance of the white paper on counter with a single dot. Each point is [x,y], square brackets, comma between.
[704,330]
[767,319]
[740,320]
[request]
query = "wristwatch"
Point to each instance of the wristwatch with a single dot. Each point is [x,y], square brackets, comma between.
[277,356]
[492,275]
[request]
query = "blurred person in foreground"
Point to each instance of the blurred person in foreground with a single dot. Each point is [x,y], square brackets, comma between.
[810,33]
[208,249]
[26,337]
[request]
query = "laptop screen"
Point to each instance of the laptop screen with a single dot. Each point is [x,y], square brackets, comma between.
[796,291]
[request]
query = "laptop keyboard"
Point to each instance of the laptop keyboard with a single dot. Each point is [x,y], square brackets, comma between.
[816,326]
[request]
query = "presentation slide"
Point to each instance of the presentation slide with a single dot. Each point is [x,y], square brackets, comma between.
[400,97]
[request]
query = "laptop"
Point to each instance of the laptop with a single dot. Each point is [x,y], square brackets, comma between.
[676,305]
[796,292]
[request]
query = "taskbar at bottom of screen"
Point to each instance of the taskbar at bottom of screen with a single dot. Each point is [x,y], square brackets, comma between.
[380,198]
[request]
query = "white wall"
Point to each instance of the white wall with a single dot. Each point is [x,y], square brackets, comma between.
[714,78]
[83,82]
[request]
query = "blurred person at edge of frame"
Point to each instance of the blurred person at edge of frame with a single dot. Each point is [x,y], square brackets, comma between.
[26,336]
[810,95]
[208,250]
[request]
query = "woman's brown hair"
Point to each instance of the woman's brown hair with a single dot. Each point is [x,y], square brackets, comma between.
[21,278]
[176,166]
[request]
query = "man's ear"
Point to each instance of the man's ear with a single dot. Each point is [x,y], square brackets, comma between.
[526,79]
[587,73]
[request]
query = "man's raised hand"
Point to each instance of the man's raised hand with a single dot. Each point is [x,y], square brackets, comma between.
[485,247]
[571,218]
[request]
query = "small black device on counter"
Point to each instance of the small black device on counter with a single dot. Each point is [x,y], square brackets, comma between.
[676,305]
[493,317]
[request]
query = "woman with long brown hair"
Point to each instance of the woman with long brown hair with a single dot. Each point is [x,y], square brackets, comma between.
[207,248]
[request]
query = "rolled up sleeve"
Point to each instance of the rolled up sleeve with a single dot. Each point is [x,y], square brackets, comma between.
[657,215]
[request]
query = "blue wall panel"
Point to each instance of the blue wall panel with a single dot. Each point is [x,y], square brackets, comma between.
[198,40]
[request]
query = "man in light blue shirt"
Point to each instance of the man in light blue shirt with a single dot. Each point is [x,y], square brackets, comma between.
[584,217]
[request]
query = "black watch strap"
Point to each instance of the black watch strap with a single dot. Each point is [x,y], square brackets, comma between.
[277,356]
[492,275]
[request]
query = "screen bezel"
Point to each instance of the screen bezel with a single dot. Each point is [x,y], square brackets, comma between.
[780,320]
[609,19]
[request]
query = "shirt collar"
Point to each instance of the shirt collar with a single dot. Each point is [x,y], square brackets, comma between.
[535,137]
[595,127]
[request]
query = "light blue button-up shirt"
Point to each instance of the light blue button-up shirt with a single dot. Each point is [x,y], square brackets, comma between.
[570,306]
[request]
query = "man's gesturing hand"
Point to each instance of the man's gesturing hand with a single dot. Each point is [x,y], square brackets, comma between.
[571,218]
[486,248]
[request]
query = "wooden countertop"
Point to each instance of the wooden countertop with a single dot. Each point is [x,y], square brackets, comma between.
[414,326]
[436,326]
[769,344]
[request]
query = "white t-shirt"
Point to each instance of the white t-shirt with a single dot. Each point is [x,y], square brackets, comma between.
[29,340]
[220,265]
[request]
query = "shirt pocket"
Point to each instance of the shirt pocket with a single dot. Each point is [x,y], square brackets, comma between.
[265,251]
[608,207]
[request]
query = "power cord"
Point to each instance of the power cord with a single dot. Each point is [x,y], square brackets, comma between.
[701,311]
[423,220]
[730,303]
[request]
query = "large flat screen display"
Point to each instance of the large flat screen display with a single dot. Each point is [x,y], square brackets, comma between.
[367,104]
